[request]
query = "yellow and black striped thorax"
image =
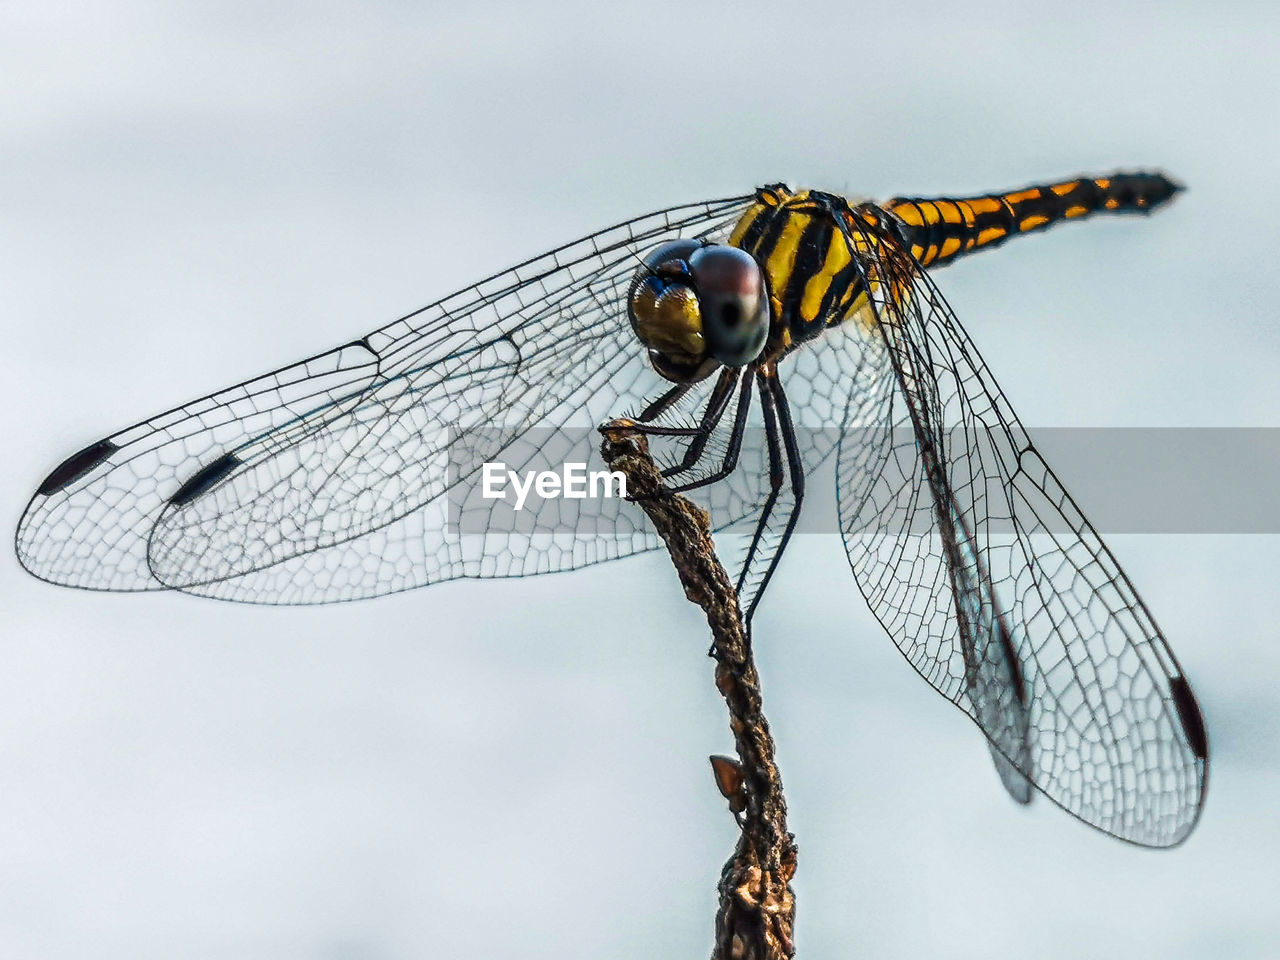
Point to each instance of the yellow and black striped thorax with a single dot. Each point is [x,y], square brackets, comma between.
[813,273]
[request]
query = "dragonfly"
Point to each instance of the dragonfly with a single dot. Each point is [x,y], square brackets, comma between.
[755,338]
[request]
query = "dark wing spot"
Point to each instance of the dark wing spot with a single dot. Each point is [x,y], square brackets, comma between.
[205,478]
[76,466]
[1189,714]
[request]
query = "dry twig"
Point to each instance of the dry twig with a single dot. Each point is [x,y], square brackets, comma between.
[756,917]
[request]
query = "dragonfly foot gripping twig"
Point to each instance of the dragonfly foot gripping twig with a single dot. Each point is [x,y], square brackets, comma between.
[756,917]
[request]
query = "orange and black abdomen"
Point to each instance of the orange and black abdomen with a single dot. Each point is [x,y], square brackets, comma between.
[942,229]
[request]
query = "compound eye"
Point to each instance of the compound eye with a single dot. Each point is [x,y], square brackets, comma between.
[733,301]
[665,314]
[673,255]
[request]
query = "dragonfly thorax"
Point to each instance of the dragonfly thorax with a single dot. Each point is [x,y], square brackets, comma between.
[697,306]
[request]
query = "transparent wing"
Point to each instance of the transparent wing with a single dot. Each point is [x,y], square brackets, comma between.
[355,473]
[998,590]
[836,376]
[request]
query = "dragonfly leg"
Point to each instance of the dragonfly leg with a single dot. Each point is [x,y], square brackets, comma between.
[780,431]
[663,403]
[734,446]
[701,434]
[775,478]
[715,409]
[711,417]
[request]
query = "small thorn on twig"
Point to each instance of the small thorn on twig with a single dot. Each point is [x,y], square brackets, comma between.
[729,780]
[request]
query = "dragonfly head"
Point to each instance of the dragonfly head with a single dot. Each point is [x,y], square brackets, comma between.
[697,306]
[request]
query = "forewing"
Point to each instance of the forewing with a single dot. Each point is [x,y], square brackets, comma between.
[332,479]
[998,590]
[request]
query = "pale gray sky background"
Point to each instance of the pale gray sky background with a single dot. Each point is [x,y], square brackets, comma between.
[191,194]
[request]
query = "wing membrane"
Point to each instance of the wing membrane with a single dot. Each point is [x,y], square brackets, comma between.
[330,479]
[998,590]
